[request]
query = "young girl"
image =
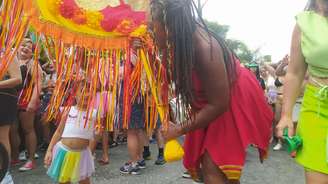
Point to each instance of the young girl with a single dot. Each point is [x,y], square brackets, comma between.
[68,154]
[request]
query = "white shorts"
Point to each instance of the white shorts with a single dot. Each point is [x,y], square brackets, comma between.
[296,111]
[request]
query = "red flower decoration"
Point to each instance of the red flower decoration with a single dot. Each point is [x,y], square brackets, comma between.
[126,27]
[67,8]
[70,10]
[114,19]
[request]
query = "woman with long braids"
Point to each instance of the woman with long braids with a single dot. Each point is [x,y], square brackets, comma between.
[225,104]
[309,53]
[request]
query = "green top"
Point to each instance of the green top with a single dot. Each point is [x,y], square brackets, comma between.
[314,42]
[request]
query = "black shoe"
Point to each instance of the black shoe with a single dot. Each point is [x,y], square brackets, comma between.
[146,155]
[142,164]
[160,160]
[128,168]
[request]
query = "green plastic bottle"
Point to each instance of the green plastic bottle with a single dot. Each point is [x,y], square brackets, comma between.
[292,143]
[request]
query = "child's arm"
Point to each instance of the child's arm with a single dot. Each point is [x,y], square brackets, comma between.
[56,137]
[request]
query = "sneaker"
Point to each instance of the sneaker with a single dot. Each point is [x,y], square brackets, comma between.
[128,168]
[22,156]
[186,175]
[36,156]
[29,165]
[146,155]
[160,160]
[113,145]
[277,147]
[7,179]
[142,164]
[197,181]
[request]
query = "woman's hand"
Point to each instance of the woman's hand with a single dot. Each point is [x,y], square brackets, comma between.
[285,122]
[136,43]
[32,107]
[48,159]
[173,131]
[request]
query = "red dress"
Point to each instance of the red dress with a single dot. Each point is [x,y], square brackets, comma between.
[247,121]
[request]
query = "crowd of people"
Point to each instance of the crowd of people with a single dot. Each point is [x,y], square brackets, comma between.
[220,96]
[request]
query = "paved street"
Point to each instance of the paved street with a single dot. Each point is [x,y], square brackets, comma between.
[278,169]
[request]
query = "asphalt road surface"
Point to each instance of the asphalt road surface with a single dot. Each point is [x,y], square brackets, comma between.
[278,169]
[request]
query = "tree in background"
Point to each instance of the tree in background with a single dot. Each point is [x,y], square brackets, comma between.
[245,54]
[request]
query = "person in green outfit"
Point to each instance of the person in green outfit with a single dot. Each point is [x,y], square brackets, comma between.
[309,52]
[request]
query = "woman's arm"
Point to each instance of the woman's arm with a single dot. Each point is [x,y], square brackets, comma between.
[293,83]
[15,76]
[214,80]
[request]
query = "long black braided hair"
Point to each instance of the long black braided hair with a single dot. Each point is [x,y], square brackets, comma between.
[180,19]
[311,5]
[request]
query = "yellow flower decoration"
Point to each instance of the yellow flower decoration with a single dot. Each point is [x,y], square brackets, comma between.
[54,8]
[94,18]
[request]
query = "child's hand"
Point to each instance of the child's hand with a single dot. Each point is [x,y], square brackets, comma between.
[48,159]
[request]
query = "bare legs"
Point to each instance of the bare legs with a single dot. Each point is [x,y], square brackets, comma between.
[212,173]
[4,137]
[27,123]
[313,177]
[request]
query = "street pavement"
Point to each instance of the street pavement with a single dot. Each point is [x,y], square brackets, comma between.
[278,169]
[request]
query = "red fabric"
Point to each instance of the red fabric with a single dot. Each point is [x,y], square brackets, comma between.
[248,121]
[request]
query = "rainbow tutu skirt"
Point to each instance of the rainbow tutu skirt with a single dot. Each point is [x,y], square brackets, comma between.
[70,165]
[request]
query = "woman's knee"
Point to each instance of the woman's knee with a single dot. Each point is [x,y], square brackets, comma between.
[4,132]
[313,177]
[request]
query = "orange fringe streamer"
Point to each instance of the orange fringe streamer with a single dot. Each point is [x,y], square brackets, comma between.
[97,60]
[13,27]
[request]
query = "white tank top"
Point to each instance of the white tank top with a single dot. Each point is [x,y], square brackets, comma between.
[76,125]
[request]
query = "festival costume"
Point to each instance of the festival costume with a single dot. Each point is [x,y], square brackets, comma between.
[313,122]
[8,107]
[247,121]
[69,165]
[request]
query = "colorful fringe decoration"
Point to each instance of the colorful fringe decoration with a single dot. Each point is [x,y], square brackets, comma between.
[94,42]
[107,24]
[13,28]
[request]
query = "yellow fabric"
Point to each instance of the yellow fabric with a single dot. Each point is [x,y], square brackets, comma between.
[70,165]
[233,172]
[313,129]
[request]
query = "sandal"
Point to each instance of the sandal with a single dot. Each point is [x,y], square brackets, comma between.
[103,162]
